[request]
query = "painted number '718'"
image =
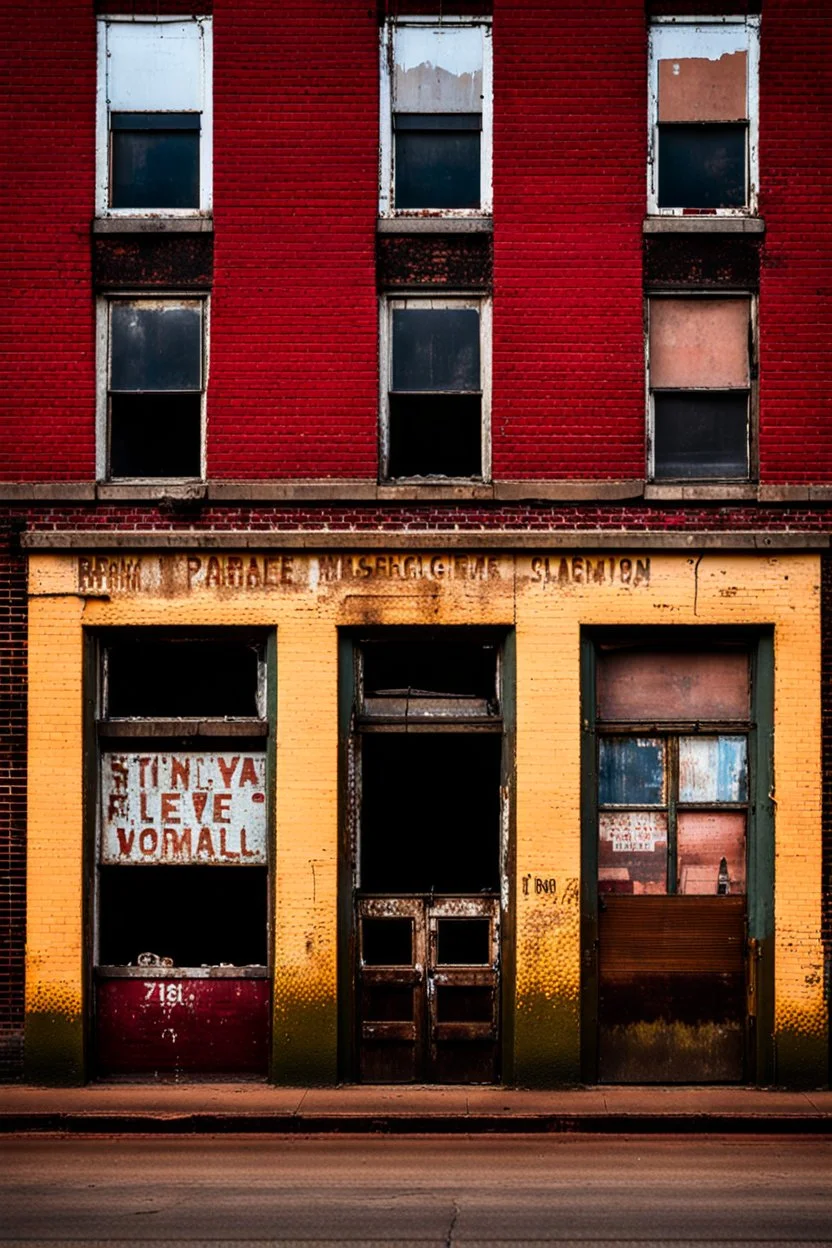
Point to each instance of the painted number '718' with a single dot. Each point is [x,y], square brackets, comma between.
[168,994]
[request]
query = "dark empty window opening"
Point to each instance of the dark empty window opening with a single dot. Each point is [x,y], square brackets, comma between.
[437,160]
[435,666]
[700,434]
[435,395]
[196,916]
[182,678]
[155,388]
[463,942]
[155,160]
[702,165]
[387,942]
[430,816]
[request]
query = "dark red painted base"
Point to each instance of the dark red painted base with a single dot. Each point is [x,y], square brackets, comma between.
[187,1026]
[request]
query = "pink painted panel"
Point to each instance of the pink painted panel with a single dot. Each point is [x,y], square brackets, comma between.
[700,89]
[699,342]
[657,686]
[196,1026]
[704,838]
[632,851]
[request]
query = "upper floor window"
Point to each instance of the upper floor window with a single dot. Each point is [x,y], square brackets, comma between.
[435,387]
[154,135]
[703,115]
[435,117]
[701,370]
[151,387]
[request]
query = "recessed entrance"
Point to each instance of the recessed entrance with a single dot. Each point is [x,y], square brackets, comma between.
[676,926]
[427,849]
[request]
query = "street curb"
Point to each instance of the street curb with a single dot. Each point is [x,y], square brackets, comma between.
[94,1123]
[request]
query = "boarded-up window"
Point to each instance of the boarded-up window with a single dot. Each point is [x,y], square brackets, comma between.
[673,805]
[703,80]
[700,377]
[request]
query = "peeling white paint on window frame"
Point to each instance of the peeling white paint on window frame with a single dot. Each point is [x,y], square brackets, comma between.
[710,38]
[387,305]
[103,304]
[386,201]
[204,27]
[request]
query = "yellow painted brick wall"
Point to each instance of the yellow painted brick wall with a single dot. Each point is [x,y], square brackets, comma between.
[548,610]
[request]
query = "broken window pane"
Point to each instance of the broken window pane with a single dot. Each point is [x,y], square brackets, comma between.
[702,165]
[713,769]
[387,942]
[155,346]
[430,815]
[437,160]
[435,435]
[436,349]
[648,683]
[436,666]
[463,942]
[711,852]
[194,915]
[155,160]
[155,435]
[631,771]
[182,677]
[632,851]
[701,434]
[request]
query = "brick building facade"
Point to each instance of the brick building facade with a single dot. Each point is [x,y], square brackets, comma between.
[486,444]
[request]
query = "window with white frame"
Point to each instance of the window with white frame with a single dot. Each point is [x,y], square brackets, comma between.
[436,109]
[700,373]
[704,97]
[152,387]
[154,126]
[435,379]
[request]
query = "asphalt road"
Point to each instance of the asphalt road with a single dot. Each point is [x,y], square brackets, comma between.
[421,1190]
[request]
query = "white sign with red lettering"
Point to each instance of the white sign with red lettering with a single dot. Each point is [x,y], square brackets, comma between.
[184,808]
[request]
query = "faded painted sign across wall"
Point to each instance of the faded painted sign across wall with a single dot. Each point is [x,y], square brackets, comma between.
[183,808]
[563,570]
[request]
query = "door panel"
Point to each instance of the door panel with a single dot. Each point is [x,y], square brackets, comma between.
[429,989]
[672,1000]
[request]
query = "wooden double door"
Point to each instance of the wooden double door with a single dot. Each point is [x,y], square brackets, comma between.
[428,989]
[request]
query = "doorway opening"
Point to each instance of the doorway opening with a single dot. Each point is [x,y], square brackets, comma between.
[426,854]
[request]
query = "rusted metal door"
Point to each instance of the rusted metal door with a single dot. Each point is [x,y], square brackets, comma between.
[429,977]
[675,1000]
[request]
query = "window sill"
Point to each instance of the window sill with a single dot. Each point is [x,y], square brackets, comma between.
[182,972]
[153,225]
[153,491]
[435,225]
[700,492]
[114,729]
[696,224]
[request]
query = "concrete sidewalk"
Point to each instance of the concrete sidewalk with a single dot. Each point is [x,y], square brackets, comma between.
[209,1108]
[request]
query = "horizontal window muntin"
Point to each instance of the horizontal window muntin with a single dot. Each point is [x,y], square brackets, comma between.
[155,121]
[437,121]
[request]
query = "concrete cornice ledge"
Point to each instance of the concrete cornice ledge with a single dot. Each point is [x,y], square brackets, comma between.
[423,539]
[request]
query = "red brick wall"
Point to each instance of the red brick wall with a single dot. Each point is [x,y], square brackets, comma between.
[796,279]
[293,389]
[570,134]
[12,800]
[47,97]
[293,352]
